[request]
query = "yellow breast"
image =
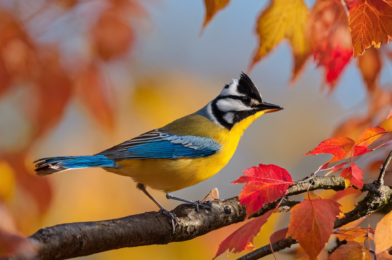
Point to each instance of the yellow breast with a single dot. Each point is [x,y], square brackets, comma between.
[171,175]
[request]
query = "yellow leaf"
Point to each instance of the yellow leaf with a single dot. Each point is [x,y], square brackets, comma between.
[283,19]
[212,7]
[7,181]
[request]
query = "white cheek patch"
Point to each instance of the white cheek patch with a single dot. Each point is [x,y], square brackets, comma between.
[231,90]
[229,117]
[229,104]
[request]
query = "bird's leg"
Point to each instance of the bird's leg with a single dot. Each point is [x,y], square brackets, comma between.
[198,205]
[171,215]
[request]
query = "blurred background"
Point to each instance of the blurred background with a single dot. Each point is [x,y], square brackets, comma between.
[79,76]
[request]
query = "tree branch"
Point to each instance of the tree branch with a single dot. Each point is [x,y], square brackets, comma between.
[377,198]
[85,238]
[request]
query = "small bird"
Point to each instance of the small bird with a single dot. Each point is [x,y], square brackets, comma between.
[183,153]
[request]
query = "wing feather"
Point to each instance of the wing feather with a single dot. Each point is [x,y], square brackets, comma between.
[157,144]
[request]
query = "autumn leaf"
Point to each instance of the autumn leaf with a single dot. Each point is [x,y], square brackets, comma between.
[283,19]
[351,234]
[212,8]
[239,240]
[264,184]
[370,24]
[350,251]
[336,168]
[353,176]
[337,146]
[370,66]
[93,93]
[312,222]
[366,138]
[342,193]
[330,38]
[383,235]
[53,89]
[112,35]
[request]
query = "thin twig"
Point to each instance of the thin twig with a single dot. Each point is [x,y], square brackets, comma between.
[384,167]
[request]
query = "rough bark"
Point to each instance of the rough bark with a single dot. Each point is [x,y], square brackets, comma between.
[85,238]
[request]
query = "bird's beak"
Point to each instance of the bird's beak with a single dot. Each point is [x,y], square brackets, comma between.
[268,107]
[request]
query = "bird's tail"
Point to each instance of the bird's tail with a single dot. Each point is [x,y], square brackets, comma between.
[46,166]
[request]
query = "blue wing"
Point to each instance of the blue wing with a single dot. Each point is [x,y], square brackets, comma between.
[161,145]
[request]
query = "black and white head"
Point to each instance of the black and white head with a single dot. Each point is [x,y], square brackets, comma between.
[237,101]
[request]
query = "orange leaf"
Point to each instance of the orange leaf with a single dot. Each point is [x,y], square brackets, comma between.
[353,175]
[343,193]
[383,235]
[279,235]
[212,8]
[350,251]
[264,184]
[112,35]
[283,19]
[54,90]
[367,138]
[94,96]
[239,240]
[370,24]
[338,147]
[330,38]
[351,234]
[311,223]
[370,66]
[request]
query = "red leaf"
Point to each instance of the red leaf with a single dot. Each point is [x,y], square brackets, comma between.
[311,223]
[239,240]
[264,184]
[353,175]
[94,96]
[337,167]
[330,38]
[338,147]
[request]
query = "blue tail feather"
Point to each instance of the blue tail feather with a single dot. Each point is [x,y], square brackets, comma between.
[51,165]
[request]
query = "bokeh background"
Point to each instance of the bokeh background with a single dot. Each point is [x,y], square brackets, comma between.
[79,76]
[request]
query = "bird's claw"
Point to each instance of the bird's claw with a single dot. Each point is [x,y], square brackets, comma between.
[202,205]
[172,216]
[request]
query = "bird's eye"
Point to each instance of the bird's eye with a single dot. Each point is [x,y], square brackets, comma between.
[246,100]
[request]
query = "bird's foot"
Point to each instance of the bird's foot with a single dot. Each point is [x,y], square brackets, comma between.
[172,216]
[198,204]
[201,205]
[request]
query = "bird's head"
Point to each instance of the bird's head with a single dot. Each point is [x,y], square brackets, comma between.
[240,100]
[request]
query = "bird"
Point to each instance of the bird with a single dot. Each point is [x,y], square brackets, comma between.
[183,153]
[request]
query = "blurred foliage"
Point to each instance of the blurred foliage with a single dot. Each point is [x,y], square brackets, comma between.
[53,52]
